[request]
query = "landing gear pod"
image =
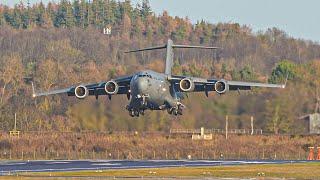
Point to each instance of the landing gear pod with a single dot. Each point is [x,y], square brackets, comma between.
[81,92]
[111,87]
[221,87]
[186,85]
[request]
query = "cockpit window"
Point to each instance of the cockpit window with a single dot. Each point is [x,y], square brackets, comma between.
[145,75]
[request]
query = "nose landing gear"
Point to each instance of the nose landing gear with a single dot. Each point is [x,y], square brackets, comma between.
[135,112]
[176,110]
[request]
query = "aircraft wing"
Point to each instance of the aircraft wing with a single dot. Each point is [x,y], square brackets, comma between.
[207,85]
[239,85]
[94,89]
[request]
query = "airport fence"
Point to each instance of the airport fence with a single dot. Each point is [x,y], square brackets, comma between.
[152,146]
[149,155]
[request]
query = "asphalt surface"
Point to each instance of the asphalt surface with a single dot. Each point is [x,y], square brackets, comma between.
[9,167]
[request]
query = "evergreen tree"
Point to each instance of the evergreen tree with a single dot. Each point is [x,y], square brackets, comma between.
[180,33]
[100,14]
[7,16]
[64,15]
[145,9]
[283,69]
[70,21]
[60,16]
[77,13]
[247,74]
[91,15]
[50,14]
[126,8]
[40,14]
[117,11]
[17,18]
[84,14]
[95,13]
[110,8]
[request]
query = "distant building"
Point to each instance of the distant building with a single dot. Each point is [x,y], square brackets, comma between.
[313,123]
[107,30]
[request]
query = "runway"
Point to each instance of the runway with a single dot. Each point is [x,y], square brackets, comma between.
[9,167]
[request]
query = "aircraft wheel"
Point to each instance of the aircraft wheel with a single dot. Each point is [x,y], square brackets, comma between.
[180,111]
[136,113]
[131,113]
[175,112]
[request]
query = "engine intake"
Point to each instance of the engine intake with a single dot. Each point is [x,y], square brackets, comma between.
[186,85]
[221,87]
[81,92]
[111,87]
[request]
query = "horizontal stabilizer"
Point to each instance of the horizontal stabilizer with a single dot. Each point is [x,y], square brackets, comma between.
[147,49]
[197,47]
[173,46]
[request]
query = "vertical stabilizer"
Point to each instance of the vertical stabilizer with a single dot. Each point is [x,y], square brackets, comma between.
[169,58]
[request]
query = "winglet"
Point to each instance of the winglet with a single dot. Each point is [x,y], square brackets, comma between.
[34,94]
[285,82]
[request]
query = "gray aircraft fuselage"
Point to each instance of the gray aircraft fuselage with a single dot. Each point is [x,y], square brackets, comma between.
[151,90]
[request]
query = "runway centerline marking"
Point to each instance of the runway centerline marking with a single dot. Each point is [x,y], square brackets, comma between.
[106,164]
[13,164]
[58,162]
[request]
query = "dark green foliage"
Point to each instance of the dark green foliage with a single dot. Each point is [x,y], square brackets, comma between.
[247,74]
[145,8]
[283,70]
[64,16]
[40,15]
[77,12]
[10,18]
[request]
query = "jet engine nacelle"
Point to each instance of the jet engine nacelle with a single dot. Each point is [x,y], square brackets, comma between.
[221,87]
[81,92]
[186,85]
[111,87]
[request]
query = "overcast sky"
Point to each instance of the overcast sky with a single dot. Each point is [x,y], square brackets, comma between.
[298,18]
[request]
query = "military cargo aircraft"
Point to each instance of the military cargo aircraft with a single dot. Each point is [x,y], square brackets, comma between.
[149,90]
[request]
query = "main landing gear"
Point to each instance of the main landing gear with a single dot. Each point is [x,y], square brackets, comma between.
[176,110]
[136,113]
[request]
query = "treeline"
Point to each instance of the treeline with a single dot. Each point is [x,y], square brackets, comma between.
[138,26]
[60,44]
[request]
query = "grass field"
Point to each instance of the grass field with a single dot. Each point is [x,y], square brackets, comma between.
[299,170]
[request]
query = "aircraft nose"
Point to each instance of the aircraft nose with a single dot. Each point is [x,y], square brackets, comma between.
[142,84]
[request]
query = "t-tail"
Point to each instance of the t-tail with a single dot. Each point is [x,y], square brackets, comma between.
[169,58]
